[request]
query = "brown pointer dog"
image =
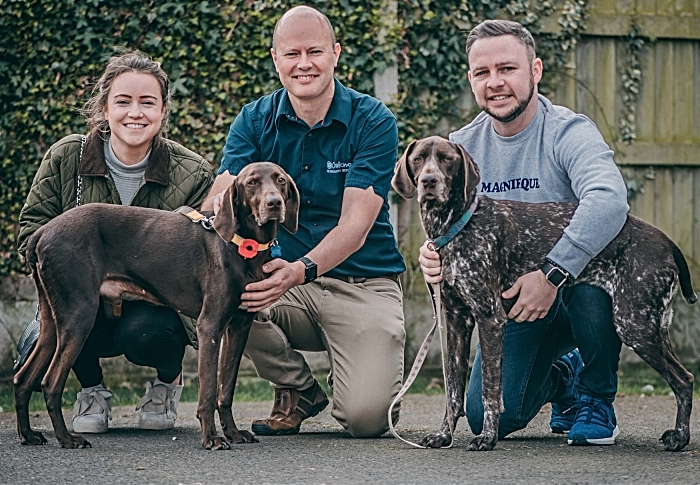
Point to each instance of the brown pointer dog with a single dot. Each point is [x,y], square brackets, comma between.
[640,270]
[113,252]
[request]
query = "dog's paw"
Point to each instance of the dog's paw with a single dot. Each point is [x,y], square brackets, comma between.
[215,443]
[33,438]
[482,443]
[437,440]
[241,436]
[674,440]
[73,441]
[249,437]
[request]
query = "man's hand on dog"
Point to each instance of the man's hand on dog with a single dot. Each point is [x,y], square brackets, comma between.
[536,294]
[430,264]
[283,276]
[535,300]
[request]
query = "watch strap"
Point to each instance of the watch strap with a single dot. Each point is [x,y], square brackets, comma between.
[310,273]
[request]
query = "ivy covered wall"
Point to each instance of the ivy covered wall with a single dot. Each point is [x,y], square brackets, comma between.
[217,55]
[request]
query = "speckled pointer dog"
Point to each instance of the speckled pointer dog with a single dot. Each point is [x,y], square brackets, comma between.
[640,270]
[113,252]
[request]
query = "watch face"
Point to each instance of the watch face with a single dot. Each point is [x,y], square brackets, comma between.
[311,272]
[556,276]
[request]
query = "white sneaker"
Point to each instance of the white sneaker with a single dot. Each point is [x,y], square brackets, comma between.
[92,410]
[159,405]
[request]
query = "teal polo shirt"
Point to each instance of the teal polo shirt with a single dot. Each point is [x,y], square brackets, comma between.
[355,145]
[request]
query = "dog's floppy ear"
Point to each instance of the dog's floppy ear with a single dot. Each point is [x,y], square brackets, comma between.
[402,181]
[471,171]
[225,220]
[291,207]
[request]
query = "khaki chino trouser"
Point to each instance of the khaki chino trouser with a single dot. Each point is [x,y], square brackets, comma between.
[360,325]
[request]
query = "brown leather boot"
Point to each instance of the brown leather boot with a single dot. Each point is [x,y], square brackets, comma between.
[291,407]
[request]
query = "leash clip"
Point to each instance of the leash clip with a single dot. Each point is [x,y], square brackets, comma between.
[207,223]
[431,245]
[196,216]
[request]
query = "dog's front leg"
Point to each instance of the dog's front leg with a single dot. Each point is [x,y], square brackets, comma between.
[491,341]
[209,337]
[460,325]
[233,343]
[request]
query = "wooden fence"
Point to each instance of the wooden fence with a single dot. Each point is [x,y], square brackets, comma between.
[663,162]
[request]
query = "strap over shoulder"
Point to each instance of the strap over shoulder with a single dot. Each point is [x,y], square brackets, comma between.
[190,213]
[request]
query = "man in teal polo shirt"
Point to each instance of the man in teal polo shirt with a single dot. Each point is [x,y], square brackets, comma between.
[336,287]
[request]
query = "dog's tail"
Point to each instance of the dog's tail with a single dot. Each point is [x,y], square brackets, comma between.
[684,276]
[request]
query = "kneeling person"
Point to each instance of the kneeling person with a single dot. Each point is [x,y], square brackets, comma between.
[336,288]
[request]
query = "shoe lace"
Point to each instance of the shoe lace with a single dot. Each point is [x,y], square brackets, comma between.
[567,410]
[594,412]
[161,398]
[158,395]
[86,400]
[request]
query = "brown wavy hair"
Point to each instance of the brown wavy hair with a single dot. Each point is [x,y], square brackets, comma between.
[132,61]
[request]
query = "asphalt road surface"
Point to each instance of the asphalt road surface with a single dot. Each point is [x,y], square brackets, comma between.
[323,453]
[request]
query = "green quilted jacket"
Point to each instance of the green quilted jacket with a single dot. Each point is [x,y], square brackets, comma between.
[175,176]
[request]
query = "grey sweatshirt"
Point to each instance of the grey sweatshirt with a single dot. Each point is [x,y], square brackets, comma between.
[560,157]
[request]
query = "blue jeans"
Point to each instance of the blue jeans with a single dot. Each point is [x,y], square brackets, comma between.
[581,316]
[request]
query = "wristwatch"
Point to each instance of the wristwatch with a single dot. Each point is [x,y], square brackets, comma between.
[555,275]
[310,272]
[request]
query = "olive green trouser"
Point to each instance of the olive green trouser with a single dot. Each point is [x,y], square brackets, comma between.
[360,325]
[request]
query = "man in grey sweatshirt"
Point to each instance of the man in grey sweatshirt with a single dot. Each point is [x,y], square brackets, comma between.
[560,344]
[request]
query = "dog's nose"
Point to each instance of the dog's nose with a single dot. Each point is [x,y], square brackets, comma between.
[274,203]
[428,181]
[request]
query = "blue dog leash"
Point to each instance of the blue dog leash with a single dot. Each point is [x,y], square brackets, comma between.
[440,242]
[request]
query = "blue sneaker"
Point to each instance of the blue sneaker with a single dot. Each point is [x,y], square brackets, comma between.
[564,410]
[595,423]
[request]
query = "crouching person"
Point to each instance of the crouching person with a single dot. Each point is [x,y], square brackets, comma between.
[123,160]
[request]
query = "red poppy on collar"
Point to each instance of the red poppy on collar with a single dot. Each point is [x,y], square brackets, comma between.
[248,248]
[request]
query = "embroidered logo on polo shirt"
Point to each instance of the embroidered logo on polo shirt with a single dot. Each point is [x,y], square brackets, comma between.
[337,167]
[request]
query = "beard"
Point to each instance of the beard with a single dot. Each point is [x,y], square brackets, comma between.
[518,109]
